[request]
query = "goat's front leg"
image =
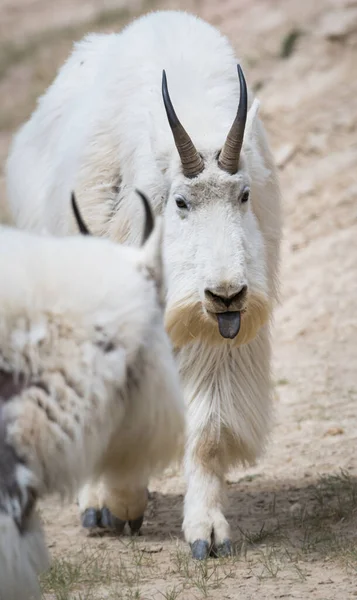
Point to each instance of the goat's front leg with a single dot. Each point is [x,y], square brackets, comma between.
[205,527]
[126,498]
[229,406]
[150,437]
[111,501]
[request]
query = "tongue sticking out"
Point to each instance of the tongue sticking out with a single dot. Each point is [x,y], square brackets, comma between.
[229,324]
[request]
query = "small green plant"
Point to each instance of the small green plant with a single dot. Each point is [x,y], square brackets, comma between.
[288,43]
[171,593]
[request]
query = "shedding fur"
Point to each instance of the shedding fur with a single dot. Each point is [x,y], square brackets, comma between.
[86,372]
[97,124]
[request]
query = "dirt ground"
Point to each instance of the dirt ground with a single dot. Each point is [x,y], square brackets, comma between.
[294,516]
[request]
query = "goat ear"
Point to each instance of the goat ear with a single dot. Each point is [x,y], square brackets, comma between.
[251,121]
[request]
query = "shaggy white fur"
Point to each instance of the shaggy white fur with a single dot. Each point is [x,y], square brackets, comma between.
[86,369]
[101,129]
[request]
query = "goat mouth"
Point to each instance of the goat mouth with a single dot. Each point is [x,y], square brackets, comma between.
[229,324]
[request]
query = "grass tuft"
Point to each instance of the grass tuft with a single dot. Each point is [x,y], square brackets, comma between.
[288,44]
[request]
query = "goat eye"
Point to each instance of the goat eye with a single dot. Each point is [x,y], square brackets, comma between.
[245,196]
[181,202]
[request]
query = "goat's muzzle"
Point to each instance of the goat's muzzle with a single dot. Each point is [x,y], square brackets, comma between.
[225,305]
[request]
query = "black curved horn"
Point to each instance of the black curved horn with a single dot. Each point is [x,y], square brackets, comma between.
[149,217]
[192,163]
[77,215]
[229,157]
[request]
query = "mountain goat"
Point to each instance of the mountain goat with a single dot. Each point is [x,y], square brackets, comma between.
[87,377]
[155,107]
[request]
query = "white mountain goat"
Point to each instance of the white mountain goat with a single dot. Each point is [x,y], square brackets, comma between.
[87,377]
[103,129]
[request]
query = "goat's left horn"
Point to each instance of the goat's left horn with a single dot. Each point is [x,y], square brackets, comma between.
[77,215]
[192,163]
[149,217]
[229,157]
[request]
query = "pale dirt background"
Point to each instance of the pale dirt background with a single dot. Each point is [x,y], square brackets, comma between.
[294,515]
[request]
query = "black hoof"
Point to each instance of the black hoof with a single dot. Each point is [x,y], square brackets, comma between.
[110,521]
[135,525]
[91,518]
[224,550]
[200,549]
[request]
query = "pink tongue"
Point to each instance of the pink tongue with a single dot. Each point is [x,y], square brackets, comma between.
[229,324]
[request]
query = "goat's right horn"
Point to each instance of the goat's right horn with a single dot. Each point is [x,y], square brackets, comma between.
[229,157]
[192,162]
[149,217]
[81,224]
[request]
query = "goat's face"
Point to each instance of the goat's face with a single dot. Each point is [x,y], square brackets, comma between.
[214,251]
[214,258]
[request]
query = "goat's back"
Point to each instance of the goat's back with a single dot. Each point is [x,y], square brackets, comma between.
[110,88]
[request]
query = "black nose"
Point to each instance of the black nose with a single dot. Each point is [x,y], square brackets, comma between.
[237,298]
